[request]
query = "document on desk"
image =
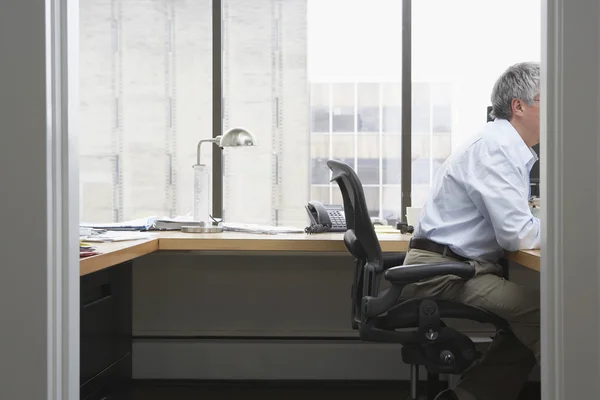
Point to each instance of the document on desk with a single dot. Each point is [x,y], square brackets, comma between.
[379,229]
[263,229]
[133,225]
[175,224]
[172,224]
[118,236]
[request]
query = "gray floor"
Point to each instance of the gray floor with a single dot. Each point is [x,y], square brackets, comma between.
[282,390]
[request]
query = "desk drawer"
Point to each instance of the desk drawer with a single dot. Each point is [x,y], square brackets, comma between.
[105,312]
[114,383]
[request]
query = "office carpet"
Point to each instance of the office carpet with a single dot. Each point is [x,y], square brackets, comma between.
[277,390]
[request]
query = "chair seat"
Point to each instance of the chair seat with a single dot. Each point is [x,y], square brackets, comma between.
[418,324]
[405,314]
[417,272]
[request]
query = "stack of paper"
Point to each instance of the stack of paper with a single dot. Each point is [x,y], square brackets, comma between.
[385,229]
[266,229]
[83,231]
[86,250]
[172,224]
[175,224]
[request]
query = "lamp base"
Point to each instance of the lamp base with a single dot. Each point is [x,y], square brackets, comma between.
[201,229]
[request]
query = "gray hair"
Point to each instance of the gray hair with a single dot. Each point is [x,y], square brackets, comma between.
[519,81]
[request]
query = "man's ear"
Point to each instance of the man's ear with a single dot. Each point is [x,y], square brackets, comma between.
[517,107]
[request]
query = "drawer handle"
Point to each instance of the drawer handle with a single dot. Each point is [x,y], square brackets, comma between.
[104,293]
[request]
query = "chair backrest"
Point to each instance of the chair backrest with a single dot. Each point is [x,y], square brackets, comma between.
[360,238]
[355,209]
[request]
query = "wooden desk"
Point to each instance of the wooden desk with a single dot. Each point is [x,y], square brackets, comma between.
[116,253]
[526,258]
[119,252]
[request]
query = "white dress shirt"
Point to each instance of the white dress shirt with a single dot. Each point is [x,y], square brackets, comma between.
[479,202]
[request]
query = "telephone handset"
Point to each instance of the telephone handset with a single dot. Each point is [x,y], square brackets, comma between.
[325,218]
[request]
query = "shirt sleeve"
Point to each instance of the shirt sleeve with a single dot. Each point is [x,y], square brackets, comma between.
[500,192]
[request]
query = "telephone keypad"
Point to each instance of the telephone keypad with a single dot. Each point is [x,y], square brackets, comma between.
[337,219]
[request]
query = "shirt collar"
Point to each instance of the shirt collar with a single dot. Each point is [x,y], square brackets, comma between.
[527,154]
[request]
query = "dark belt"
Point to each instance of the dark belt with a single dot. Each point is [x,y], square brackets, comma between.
[428,245]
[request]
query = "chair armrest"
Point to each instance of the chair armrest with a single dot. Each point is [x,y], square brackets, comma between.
[416,272]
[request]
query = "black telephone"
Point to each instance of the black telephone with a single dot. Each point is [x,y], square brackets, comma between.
[325,218]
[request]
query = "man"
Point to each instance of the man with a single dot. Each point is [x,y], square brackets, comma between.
[477,208]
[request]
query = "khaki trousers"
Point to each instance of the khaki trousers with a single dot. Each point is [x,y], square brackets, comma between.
[504,368]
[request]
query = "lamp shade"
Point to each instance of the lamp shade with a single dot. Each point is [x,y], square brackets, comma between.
[237,137]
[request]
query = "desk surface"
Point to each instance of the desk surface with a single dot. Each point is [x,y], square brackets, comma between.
[119,252]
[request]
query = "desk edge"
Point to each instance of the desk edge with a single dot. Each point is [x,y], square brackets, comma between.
[96,263]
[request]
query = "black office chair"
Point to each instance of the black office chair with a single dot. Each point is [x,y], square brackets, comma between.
[416,323]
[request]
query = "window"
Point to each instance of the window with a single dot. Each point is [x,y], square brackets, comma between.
[374,155]
[296,84]
[368,157]
[145,101]
[368,107]
[421,171]
[368,119]
[392,107]
[97,189]
[322,193]
[306,91]
[319,119]
[343,148]
[441,108]
[319,102]
[320,172]
[343,119]
[265,89]
[368,170]
[365,98]
[371,197]
[392,196]
[392,158]
[342,107]
[421,107]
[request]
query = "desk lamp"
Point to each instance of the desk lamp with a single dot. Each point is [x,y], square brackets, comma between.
[236,137]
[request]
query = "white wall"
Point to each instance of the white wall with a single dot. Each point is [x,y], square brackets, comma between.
[23,291]
[39,338]
[570,173]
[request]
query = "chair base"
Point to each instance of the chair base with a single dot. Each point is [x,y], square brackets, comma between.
[433,385]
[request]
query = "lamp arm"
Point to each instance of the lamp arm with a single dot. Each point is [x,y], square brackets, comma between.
[215,140]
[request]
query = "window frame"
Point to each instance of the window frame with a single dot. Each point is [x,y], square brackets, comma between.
[217,107]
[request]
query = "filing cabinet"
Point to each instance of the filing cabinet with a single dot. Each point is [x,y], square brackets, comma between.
[105,333]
